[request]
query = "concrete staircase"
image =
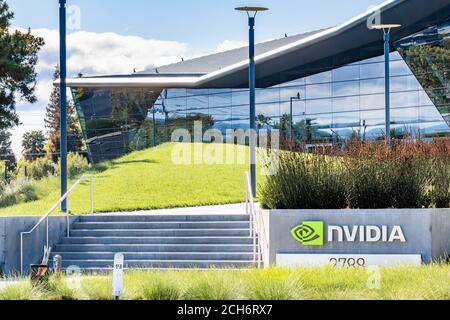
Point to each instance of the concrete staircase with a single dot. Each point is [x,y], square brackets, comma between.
[158,241]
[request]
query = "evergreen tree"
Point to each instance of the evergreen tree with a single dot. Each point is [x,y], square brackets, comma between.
[18,58]
[6,153]
[52,123]
[33,144]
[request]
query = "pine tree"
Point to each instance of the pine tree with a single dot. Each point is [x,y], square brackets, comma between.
[52,123]
[6,153]
[18,59]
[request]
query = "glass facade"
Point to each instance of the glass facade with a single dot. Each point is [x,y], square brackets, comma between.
[333,105]
[427,53]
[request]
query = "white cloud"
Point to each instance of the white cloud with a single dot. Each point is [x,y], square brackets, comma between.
[108,53]
[91,54]
[230,45]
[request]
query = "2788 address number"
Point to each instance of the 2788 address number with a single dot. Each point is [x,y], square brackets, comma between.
[348,262]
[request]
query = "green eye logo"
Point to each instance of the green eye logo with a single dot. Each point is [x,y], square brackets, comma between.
[310,233]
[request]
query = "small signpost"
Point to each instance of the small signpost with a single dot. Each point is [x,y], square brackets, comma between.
[57,264]
[118,276]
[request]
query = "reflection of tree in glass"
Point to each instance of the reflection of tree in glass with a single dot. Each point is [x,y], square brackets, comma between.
[163,132]
[304,131]
[431,66]
[130,107]
[263,121]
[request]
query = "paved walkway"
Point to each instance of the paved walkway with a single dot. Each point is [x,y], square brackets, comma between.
[213,210]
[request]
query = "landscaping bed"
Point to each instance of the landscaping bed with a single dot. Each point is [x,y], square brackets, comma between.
[371,175]
[427,282]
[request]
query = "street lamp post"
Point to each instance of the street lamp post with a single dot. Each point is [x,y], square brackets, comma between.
[63,100]
[386,28]
[251,13]
[154,127]
[297,98]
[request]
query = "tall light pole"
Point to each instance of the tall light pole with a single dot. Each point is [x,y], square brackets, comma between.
[63,100]
[251,13]
[386,28]
[298,98]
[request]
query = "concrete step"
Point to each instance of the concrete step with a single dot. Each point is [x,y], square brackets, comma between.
[162,225]
[114,248]
[162,218]
[177,256]
[83,264]
[160,233]
[157,240]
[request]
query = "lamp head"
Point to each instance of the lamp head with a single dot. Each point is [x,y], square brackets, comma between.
[385,27]
[251,10]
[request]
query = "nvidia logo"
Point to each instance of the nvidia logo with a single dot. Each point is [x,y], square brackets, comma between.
[310,233]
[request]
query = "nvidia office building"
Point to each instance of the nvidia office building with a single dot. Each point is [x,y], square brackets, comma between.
[331,79]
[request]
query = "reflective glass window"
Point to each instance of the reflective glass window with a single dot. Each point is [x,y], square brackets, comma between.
[319,78]
[346,73]
[315,91]
[347,88]
[345,104]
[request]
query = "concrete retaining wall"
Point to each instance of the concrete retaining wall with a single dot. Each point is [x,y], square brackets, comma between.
[10,229]
[427,232]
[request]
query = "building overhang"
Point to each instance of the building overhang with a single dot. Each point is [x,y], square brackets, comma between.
[349,42]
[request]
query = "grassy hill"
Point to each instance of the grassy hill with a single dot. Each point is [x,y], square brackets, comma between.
[147,180]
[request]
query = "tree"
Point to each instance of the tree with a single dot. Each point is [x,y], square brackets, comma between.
[18,58]
[33,144]
[52,123]
[284,126]
[6,153]
[263,121]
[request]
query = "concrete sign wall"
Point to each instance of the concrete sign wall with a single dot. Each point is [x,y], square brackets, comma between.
[397,232]
[10,229]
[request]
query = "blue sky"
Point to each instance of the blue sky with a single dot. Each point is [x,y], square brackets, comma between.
[117,36]
[202,23]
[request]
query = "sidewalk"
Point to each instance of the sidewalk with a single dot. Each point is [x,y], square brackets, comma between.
[212,210]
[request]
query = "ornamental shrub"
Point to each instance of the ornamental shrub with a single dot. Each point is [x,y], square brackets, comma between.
[409,174]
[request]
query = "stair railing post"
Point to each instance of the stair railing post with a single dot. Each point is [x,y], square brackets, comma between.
[68,217]
[255,249]
[46,237]
[21,254]
[92,193]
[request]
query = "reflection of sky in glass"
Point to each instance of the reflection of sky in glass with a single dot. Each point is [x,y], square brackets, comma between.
[343,98]
[340,101]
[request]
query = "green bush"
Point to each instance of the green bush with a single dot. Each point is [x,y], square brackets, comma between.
[437,192]
[409,174]
[305,181]
[388,183]
[18,191]
[38,169]
[2,173]
[211,286]
[76,165]
[273,284]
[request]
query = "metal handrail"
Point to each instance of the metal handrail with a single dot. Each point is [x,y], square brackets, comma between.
[256,222]
[53,208]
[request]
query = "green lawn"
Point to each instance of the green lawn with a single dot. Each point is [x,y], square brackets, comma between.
[147,180]
[427,282]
